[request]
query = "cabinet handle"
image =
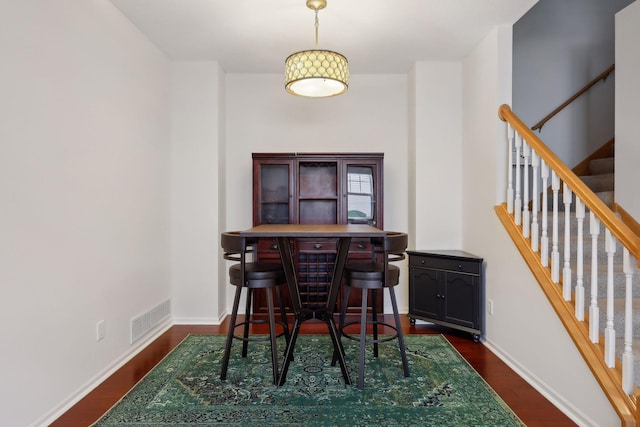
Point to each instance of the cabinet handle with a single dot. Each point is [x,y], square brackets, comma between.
[317,246]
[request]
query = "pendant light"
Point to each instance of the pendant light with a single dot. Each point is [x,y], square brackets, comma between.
[316,73]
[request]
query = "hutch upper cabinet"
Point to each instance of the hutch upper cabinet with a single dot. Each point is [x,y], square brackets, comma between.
[317,188]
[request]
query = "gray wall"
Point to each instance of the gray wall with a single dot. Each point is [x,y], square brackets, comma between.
[558,47]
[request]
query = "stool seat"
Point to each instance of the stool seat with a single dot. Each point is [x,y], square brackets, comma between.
[257,274]
[371,275]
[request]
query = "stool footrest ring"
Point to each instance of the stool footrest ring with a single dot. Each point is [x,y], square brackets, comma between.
[385,337]
[260,337]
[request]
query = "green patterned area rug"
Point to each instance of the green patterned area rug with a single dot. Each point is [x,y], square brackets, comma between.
[185,388]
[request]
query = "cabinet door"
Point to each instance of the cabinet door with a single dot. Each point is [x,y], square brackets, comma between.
[362,192]
[273,192]
[424,292]
[461,299]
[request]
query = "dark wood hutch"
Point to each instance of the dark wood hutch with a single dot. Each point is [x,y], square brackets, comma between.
[317,188]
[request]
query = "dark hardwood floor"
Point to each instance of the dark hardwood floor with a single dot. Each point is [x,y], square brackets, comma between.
[532,408]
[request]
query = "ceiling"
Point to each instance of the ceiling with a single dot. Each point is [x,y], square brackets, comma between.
[377,36]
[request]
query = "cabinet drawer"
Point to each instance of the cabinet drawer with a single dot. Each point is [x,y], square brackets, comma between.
[460,265]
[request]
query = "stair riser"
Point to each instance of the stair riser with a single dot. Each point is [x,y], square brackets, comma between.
[602,166]
[604,182]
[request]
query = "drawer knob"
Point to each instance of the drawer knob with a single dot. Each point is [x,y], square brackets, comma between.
[317,246]
[274,247]
[360,246]
[422,261]
[459,266]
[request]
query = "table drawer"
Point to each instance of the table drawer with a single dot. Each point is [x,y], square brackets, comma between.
[317,245]
[360,246]
[268,245]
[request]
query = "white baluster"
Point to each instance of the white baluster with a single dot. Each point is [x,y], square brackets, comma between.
[594,311]
[629,268]
[525,202]
[609,330]
[535,233]
[555,254]
[580,261]
[567,196]
[518,201]
[510,136]
[544,239]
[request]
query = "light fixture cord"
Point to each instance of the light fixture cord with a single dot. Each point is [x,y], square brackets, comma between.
[317,25]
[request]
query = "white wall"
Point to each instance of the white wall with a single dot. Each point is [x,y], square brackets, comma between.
[524,330]
[628,108]
[197,106]
[437,154]
[371,117]
[84,196]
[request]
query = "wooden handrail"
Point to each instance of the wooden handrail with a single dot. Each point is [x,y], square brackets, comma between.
[602,76]
[620,230]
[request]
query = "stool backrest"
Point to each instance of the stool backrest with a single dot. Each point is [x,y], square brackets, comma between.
[395,245]
[235,246]
[392,247]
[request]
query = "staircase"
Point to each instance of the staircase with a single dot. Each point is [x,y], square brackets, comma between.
[603,317]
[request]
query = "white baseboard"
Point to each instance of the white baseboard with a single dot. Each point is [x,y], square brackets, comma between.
[54,414]
[567,408]
[199,320]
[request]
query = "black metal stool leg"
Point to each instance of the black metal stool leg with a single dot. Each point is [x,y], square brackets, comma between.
[374,320]
[363,338]
[232,325]
[272,335]
[403,354]
[283,314]
[341,318]
[247,323]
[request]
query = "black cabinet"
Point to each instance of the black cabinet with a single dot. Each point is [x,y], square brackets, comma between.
[447,288]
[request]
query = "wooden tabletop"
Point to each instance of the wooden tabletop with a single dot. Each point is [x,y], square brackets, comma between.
[313,230]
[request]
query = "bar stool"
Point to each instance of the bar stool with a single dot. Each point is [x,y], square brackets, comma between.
[374,276]
[252,275]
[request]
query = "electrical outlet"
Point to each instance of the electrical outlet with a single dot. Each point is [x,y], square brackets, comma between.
[490,306]
[100,330]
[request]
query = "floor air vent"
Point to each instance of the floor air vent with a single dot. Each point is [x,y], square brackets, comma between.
[143,323]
